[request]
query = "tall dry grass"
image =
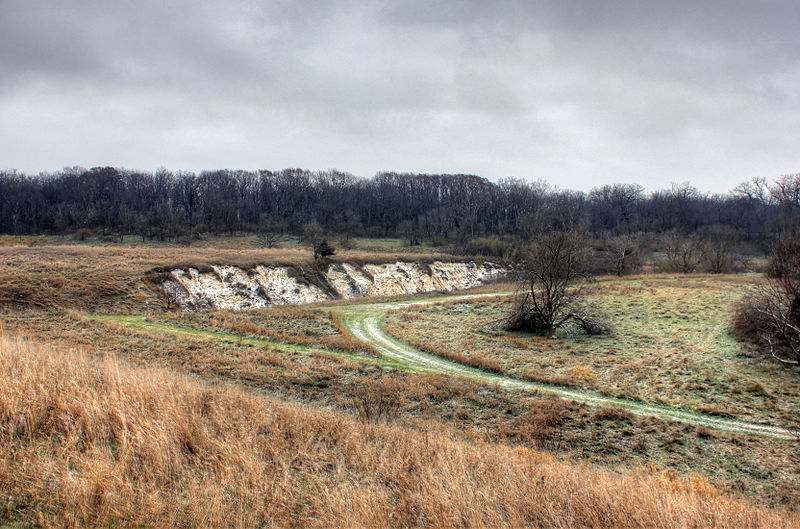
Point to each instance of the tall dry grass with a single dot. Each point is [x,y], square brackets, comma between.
[87,442]
[103,278]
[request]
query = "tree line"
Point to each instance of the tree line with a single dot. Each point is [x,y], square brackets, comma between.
[439,208]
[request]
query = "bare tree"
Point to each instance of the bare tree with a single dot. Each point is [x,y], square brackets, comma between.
[756,190]
[786,190]
[315,236]
[410,232]
[681,253]
[770,317]
[554,268]
[271,230]
[623,254]
[717,248]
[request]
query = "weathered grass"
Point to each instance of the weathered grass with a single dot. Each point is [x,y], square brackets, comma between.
[97,443]
[671,347]
[106,278]
[761,469]
[314,328]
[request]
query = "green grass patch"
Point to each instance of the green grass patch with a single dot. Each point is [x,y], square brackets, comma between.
[137,322]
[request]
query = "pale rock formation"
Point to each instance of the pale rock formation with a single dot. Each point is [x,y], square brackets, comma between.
[230,287]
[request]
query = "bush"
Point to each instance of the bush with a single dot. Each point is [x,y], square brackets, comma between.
[378,400]
[541,426]
[554,269]
[770,317]
[491,246]
[525,320]
[682,254]
[621,255]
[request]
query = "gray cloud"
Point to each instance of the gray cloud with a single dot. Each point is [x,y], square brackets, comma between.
[579,93]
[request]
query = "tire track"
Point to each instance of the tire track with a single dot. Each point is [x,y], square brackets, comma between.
[365,322]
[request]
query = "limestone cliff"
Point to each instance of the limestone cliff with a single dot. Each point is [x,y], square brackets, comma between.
[231,287]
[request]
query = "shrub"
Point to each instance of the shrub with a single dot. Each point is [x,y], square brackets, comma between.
[491,246]
[378,400]
[553,269]
[540,425]
[770,316]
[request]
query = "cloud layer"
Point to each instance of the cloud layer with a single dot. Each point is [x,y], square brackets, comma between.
[577,93]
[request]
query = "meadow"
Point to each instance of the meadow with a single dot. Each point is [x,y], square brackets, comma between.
[279,416]
[670,345]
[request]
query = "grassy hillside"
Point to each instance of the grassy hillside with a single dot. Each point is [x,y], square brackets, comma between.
[96,442]
[302,361]
[109,278]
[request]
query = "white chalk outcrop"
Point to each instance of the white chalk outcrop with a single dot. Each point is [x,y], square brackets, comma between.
[231,287]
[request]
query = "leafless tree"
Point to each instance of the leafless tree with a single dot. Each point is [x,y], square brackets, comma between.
[755,190]
[271,230]
[717,248]
[681,253]
[786,190]
[623,254]
[554,268]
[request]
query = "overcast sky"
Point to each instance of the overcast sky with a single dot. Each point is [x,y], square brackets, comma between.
[576,93]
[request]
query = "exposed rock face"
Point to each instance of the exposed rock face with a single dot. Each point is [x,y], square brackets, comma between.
[230,287]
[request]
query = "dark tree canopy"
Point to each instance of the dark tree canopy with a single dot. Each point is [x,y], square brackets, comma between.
[440,208]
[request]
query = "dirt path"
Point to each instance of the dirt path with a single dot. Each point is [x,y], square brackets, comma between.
[365,322]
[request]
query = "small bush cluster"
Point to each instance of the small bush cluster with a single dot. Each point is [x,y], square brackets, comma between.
[591,324]
[490,246]
[378,400]
[770,316]
[554,268]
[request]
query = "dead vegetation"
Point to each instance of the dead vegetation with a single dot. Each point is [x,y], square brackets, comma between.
[762,471]
[670,347]
[554,269]
[97,443]
[770,316]
[468,357]
[109,278]
[759,469]
[541,426]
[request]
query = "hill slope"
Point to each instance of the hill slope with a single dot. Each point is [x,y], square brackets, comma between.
[98,443]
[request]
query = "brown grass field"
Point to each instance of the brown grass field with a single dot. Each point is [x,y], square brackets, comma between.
[105,424]
[94,442]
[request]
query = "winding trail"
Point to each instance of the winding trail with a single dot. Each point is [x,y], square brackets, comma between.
[365,322]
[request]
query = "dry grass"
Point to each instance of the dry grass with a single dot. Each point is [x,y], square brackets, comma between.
[102,278]
[671,347]
[97,443]
[760,469]
[290,324]
[105,278]
[541,426]
[469,358]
